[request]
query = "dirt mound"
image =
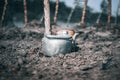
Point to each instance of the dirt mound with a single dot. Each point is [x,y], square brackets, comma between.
[21,57]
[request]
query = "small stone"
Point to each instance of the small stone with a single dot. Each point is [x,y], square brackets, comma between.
[85,67]
[61,56]
[64,65]
[76,68]
[20,61]
[34,72]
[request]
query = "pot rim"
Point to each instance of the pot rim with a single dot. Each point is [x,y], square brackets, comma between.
[58,36]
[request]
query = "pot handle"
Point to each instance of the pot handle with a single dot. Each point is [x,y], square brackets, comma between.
[74,36]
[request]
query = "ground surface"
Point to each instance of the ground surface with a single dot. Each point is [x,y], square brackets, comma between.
[21,58]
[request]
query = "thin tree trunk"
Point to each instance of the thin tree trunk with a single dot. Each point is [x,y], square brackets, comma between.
[84,12]
[70,15]
[47,17]
[25,12]
[117,12]
[56,11]
[109,11]
[98,19]
[4,11]
[42,17]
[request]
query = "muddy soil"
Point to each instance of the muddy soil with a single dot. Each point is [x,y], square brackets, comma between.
[97,57]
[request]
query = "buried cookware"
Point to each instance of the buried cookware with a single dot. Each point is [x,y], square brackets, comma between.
[63,42]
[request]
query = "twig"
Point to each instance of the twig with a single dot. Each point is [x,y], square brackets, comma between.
[84,12]
[56,11]
[25,12]
[47,17]
[4,11]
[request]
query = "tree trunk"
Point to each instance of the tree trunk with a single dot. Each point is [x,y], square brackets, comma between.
[41,20]
[109,11]
[98,19]
[25,12]
[117,13]
[70,15]
[47,17]
[4,11]
[56,11]
[84,12]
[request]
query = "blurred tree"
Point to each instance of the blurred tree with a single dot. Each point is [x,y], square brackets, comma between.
[4,11]
[47,17]
[84,12]
[72,10]
[118,7]
[98,19]
[25,12]
[41,20]
[103,6]
[56,11]
[103,10]
[109,11]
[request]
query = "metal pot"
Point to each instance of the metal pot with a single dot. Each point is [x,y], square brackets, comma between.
[55,44]
[60,43]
